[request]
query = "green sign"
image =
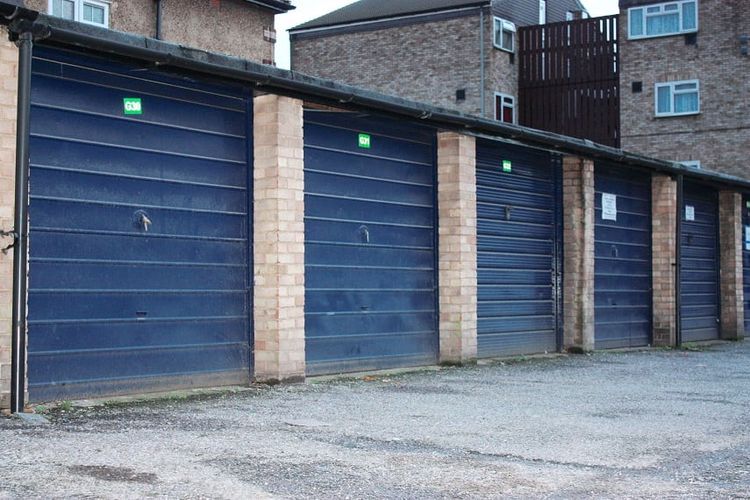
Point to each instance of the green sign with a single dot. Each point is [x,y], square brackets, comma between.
[132,106]
[364,141]
[507,166]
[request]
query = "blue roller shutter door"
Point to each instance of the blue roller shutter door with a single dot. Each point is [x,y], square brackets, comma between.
[518,238]
[370,273]
[746,260]
[139,230]
[622,290]
[700,264]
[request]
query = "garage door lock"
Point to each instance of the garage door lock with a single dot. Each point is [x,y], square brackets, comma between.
[141,220]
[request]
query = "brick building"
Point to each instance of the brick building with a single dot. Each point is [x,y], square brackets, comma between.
[684,67]
[456,54]
[241,28]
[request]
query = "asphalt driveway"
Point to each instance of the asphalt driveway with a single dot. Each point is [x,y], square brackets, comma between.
[640,424]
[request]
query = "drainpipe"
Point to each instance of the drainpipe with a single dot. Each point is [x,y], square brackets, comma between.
[21,224]
[678,264]
[158,19]
[481,59]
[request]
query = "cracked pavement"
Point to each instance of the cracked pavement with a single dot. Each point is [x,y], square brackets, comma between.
[650,424]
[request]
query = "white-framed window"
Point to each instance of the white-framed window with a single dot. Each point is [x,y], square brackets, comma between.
[663,19]
[505,35]
[94,12]
[692,163]
[542,11]
[505,108]
[678,98]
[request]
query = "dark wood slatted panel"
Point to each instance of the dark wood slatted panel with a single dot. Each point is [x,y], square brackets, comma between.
[569,79]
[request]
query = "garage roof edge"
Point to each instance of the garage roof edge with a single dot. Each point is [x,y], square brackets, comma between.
[296,84]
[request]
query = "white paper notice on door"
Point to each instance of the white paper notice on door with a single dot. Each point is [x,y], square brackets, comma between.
[609,206]
[689,212]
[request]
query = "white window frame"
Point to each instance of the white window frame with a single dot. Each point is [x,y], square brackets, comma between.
[645,15]
[672,86]
[515,108]
[78,11]
[504,25]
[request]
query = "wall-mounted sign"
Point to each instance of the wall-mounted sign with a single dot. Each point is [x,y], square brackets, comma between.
[689,212]
[365,141]
[507,166]
[609,206]
[132,106]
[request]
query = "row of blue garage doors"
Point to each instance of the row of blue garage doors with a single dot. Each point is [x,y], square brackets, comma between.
[141,238]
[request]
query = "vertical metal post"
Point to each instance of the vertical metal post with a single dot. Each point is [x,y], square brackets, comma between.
[678,263]
[21,224]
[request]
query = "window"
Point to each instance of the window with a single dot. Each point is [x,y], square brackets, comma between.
[505,35]
[663,19]
[692,163]
[678,98]
[542,11]
[505,108]
[94,12]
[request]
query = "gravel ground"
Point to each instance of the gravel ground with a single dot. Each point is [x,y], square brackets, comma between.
[628,425]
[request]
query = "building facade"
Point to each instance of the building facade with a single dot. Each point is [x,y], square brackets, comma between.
[168,226]
[456,54]
[684,67]
[239,28]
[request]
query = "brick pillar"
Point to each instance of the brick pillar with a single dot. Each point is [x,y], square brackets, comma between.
[664,212]
[279,241]
[8,93]
[457,209]
[730,243]
[578,238]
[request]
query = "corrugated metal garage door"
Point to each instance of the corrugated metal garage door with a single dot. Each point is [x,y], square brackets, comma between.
[700,264]
[622,290]
[113,307]
[518,237]
[369,243]
[746,259]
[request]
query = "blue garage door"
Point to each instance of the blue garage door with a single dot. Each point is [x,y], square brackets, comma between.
[622,289]
[746,259]
[518,237]
[699,279]
[369,243]
[139,230]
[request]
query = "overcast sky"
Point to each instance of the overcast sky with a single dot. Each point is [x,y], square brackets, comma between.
[311,9]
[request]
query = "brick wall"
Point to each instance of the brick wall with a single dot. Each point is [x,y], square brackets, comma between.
[279,239]
[719,135]
[9,75]
[502,72]
[426,62]
[578,259]
[234,27]
[664,259]
[457,208]
[731,240]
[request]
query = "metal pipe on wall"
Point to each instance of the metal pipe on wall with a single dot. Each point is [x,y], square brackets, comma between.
[21,224]
[678,262]
[158,19]
[483,106]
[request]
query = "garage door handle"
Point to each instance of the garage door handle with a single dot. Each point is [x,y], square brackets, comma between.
[365,233]
[142,220]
